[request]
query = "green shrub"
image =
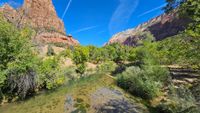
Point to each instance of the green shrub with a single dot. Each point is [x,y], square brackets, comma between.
[80,57]
[137,82]
[68,53]
[81,68]
[147,79]
[60,44]
[51,74]
[50,51]
[181,49]
[195,89]
[180,100]
[18,61]
[106,67]
[70,73]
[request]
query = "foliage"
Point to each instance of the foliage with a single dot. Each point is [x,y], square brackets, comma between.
[181,49]
[173,4]
[80,57]
[81,68]
[22,72]
[51,74]
[180,100]
[106,67]
[146,47]
[148,77]
[50,51]
[189,9]
[95,54]
[66,53]
[195,89]
[116,52]
[60,44]
[17,60]
[139,83]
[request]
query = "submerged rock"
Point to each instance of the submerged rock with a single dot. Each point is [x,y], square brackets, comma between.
[106,100]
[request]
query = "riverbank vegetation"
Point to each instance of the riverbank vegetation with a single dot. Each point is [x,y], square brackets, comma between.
[142,71]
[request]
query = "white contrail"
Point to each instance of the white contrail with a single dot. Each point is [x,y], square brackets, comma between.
[122,15]
[85,29]
[66,9]
[154,9]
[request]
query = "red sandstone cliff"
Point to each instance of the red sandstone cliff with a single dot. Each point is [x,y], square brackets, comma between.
[161,27]
[41,16]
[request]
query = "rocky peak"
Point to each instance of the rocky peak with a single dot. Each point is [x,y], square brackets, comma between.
[42,14]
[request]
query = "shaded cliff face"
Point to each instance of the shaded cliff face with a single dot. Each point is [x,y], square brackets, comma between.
[40,15]
[161,27]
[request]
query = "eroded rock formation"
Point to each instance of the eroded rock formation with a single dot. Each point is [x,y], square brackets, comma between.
[41,16]
[161,27]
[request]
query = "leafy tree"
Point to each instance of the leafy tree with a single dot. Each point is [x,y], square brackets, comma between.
[181,49]
[17,60]
[80,57]
[95,54]
[117,52]
[172,4]
[50,73]
[145,49]
[189,9]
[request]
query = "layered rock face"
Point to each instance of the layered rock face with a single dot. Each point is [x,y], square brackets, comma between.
[161,27]
[41,16]
[56,38]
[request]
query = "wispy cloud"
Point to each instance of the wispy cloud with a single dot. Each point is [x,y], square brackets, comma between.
[11,3]
[100,32]
[66,9]
[85,29]
[122,15]
[152,10]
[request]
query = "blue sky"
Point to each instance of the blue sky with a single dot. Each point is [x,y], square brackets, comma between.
[93,22]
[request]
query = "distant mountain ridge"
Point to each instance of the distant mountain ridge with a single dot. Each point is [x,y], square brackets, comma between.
[41,16]
[161,27]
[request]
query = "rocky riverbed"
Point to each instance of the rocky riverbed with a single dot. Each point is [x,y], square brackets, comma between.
[104,100]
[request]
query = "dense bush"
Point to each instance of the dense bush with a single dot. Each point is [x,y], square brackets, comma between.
[189,9]
[181,49]
[180,100]
[66,53]
[195,89]
[50,51]
[148,77]
[140,83]
[22,72]
[106,67]
[50,73]
[17,60]
[80,57]
[116,52]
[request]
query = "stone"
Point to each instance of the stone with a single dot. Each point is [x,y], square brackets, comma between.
[41,16]
[161,27]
